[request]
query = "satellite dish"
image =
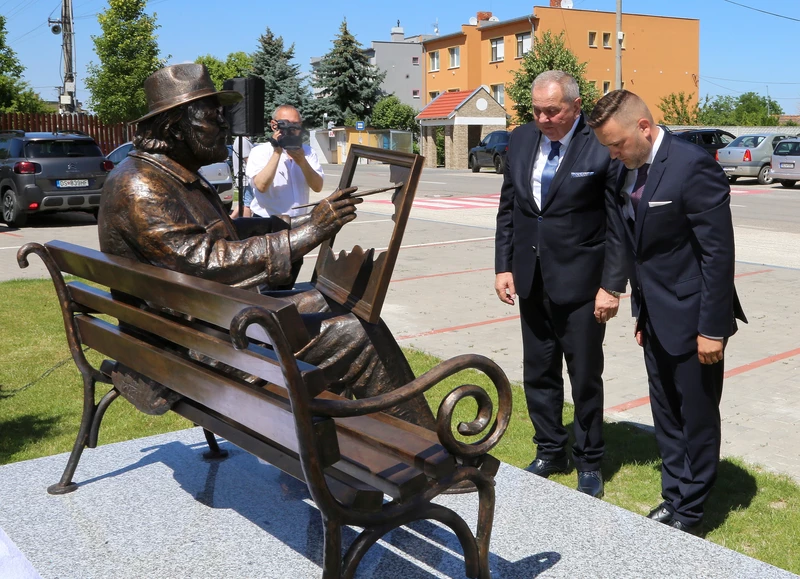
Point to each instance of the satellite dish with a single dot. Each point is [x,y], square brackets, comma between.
[494,19]
[566,3]
[473,21]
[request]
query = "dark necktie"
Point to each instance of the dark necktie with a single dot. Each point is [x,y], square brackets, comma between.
[638,187]
[550,168]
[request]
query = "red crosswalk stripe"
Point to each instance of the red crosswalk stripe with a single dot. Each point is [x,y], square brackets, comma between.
[441,203]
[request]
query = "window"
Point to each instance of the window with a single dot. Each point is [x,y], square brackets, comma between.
[455,56]
[593,39]
[499,93]
[434,61]
[606,40]
[453,89]
[523,44]
[433,94]
[415,60]
[606,86]
[593,83]
[726,139]
[497,49]
[622,42]
[415,93]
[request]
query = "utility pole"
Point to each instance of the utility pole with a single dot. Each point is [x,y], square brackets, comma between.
[618,48]
[768,101]
[66,101]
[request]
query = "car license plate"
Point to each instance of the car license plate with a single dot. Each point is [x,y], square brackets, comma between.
[66,183]
[729,169]
[787,165]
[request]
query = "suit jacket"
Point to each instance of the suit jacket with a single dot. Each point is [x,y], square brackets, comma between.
[578,253]
[681,251]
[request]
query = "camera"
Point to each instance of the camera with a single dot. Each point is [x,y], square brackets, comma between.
[291,135]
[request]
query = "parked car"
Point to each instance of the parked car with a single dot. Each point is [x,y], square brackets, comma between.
[218,174]
[709,139]
[491,152]
[785,166]
[750,156]
[48,172]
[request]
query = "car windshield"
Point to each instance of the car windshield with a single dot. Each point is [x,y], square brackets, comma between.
[747,141]
[788,148]
[62,148]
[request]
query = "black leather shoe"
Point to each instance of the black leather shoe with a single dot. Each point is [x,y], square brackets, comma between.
[691,529]
[545,467]
[661,514]
[590,482]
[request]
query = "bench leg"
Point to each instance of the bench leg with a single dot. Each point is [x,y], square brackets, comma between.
[214,451]
[65,485]
[332,555]
[486,499]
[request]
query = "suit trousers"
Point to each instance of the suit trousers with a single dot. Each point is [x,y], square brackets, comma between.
[684,397]
[552,332]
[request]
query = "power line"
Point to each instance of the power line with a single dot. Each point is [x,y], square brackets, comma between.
[749,81]
[762,11]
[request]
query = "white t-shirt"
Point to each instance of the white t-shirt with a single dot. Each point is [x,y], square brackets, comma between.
[289,187]
[247,146]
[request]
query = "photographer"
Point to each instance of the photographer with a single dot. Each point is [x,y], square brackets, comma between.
[282,170]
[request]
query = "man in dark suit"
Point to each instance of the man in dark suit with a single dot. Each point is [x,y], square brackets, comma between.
[674,202]
[554,251]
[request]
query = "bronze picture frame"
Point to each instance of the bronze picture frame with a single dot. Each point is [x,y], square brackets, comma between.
[359,279]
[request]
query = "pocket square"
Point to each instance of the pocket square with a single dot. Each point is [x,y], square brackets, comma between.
[583,174]
[657,203]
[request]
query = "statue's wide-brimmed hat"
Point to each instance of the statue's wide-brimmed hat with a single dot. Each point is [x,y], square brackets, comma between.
[178,84]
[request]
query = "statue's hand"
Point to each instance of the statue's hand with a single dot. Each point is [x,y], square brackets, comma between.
[332,213]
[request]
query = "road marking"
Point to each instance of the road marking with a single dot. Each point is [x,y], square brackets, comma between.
[17,247]
[732,205]
[456,328]
[750,191]
[442,274]
[418,245]
[476,202]
[434,182]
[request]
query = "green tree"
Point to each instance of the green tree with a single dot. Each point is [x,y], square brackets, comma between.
[349,85]
[548,53]
[15,94]
[283,84]
[390,113]
[678,109]
[128,54]
[235,65]
[748,109]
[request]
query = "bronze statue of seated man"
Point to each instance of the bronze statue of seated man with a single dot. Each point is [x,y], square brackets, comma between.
[157,209]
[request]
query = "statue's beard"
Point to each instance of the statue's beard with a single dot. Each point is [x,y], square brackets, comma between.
[205,154]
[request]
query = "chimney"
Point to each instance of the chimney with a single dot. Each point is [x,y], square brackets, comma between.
[555,3]
[482,16]
[397,33]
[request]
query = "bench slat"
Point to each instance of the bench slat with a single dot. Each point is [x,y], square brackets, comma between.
[258,361]
[200,298]
[351,492]
[253,407]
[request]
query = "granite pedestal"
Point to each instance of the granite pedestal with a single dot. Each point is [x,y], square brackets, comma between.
[153,507]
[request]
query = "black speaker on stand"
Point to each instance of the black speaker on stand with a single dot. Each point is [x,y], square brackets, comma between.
[246,118]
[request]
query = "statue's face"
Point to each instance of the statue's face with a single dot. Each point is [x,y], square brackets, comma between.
[206,130]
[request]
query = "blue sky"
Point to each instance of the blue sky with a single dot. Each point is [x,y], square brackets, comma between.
[740,49]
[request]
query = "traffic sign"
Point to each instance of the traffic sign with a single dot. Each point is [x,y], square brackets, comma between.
[359,125]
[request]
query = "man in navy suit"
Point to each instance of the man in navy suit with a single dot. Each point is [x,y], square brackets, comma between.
[554,251]
[673,200]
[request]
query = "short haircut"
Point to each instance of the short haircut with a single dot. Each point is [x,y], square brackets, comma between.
[618,103]
[569,86]
[284,108]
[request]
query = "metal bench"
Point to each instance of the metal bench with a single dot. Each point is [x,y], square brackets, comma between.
[350,454]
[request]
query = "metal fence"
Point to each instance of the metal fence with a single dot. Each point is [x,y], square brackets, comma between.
[739,130]
[108,137]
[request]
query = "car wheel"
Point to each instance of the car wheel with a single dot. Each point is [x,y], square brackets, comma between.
[473,164]
[787,183]
[12,214]
[764,178]
[732,179]
[499,164]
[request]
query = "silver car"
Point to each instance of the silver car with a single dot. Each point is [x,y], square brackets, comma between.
[786,162]
[218,174]
[749,156]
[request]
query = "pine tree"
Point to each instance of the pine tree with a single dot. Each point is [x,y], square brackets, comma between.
[349,85]
[282,80]
[549,53]
[128,54]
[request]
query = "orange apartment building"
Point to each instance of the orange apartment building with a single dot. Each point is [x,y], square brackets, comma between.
[660,55]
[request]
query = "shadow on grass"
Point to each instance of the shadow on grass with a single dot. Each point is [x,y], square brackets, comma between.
[627,443]
[21,431]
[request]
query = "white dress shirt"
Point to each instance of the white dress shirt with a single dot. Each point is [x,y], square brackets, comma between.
[541,159]
[289,188]
[630,178]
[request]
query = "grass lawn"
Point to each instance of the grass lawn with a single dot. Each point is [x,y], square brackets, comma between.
[751,511]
